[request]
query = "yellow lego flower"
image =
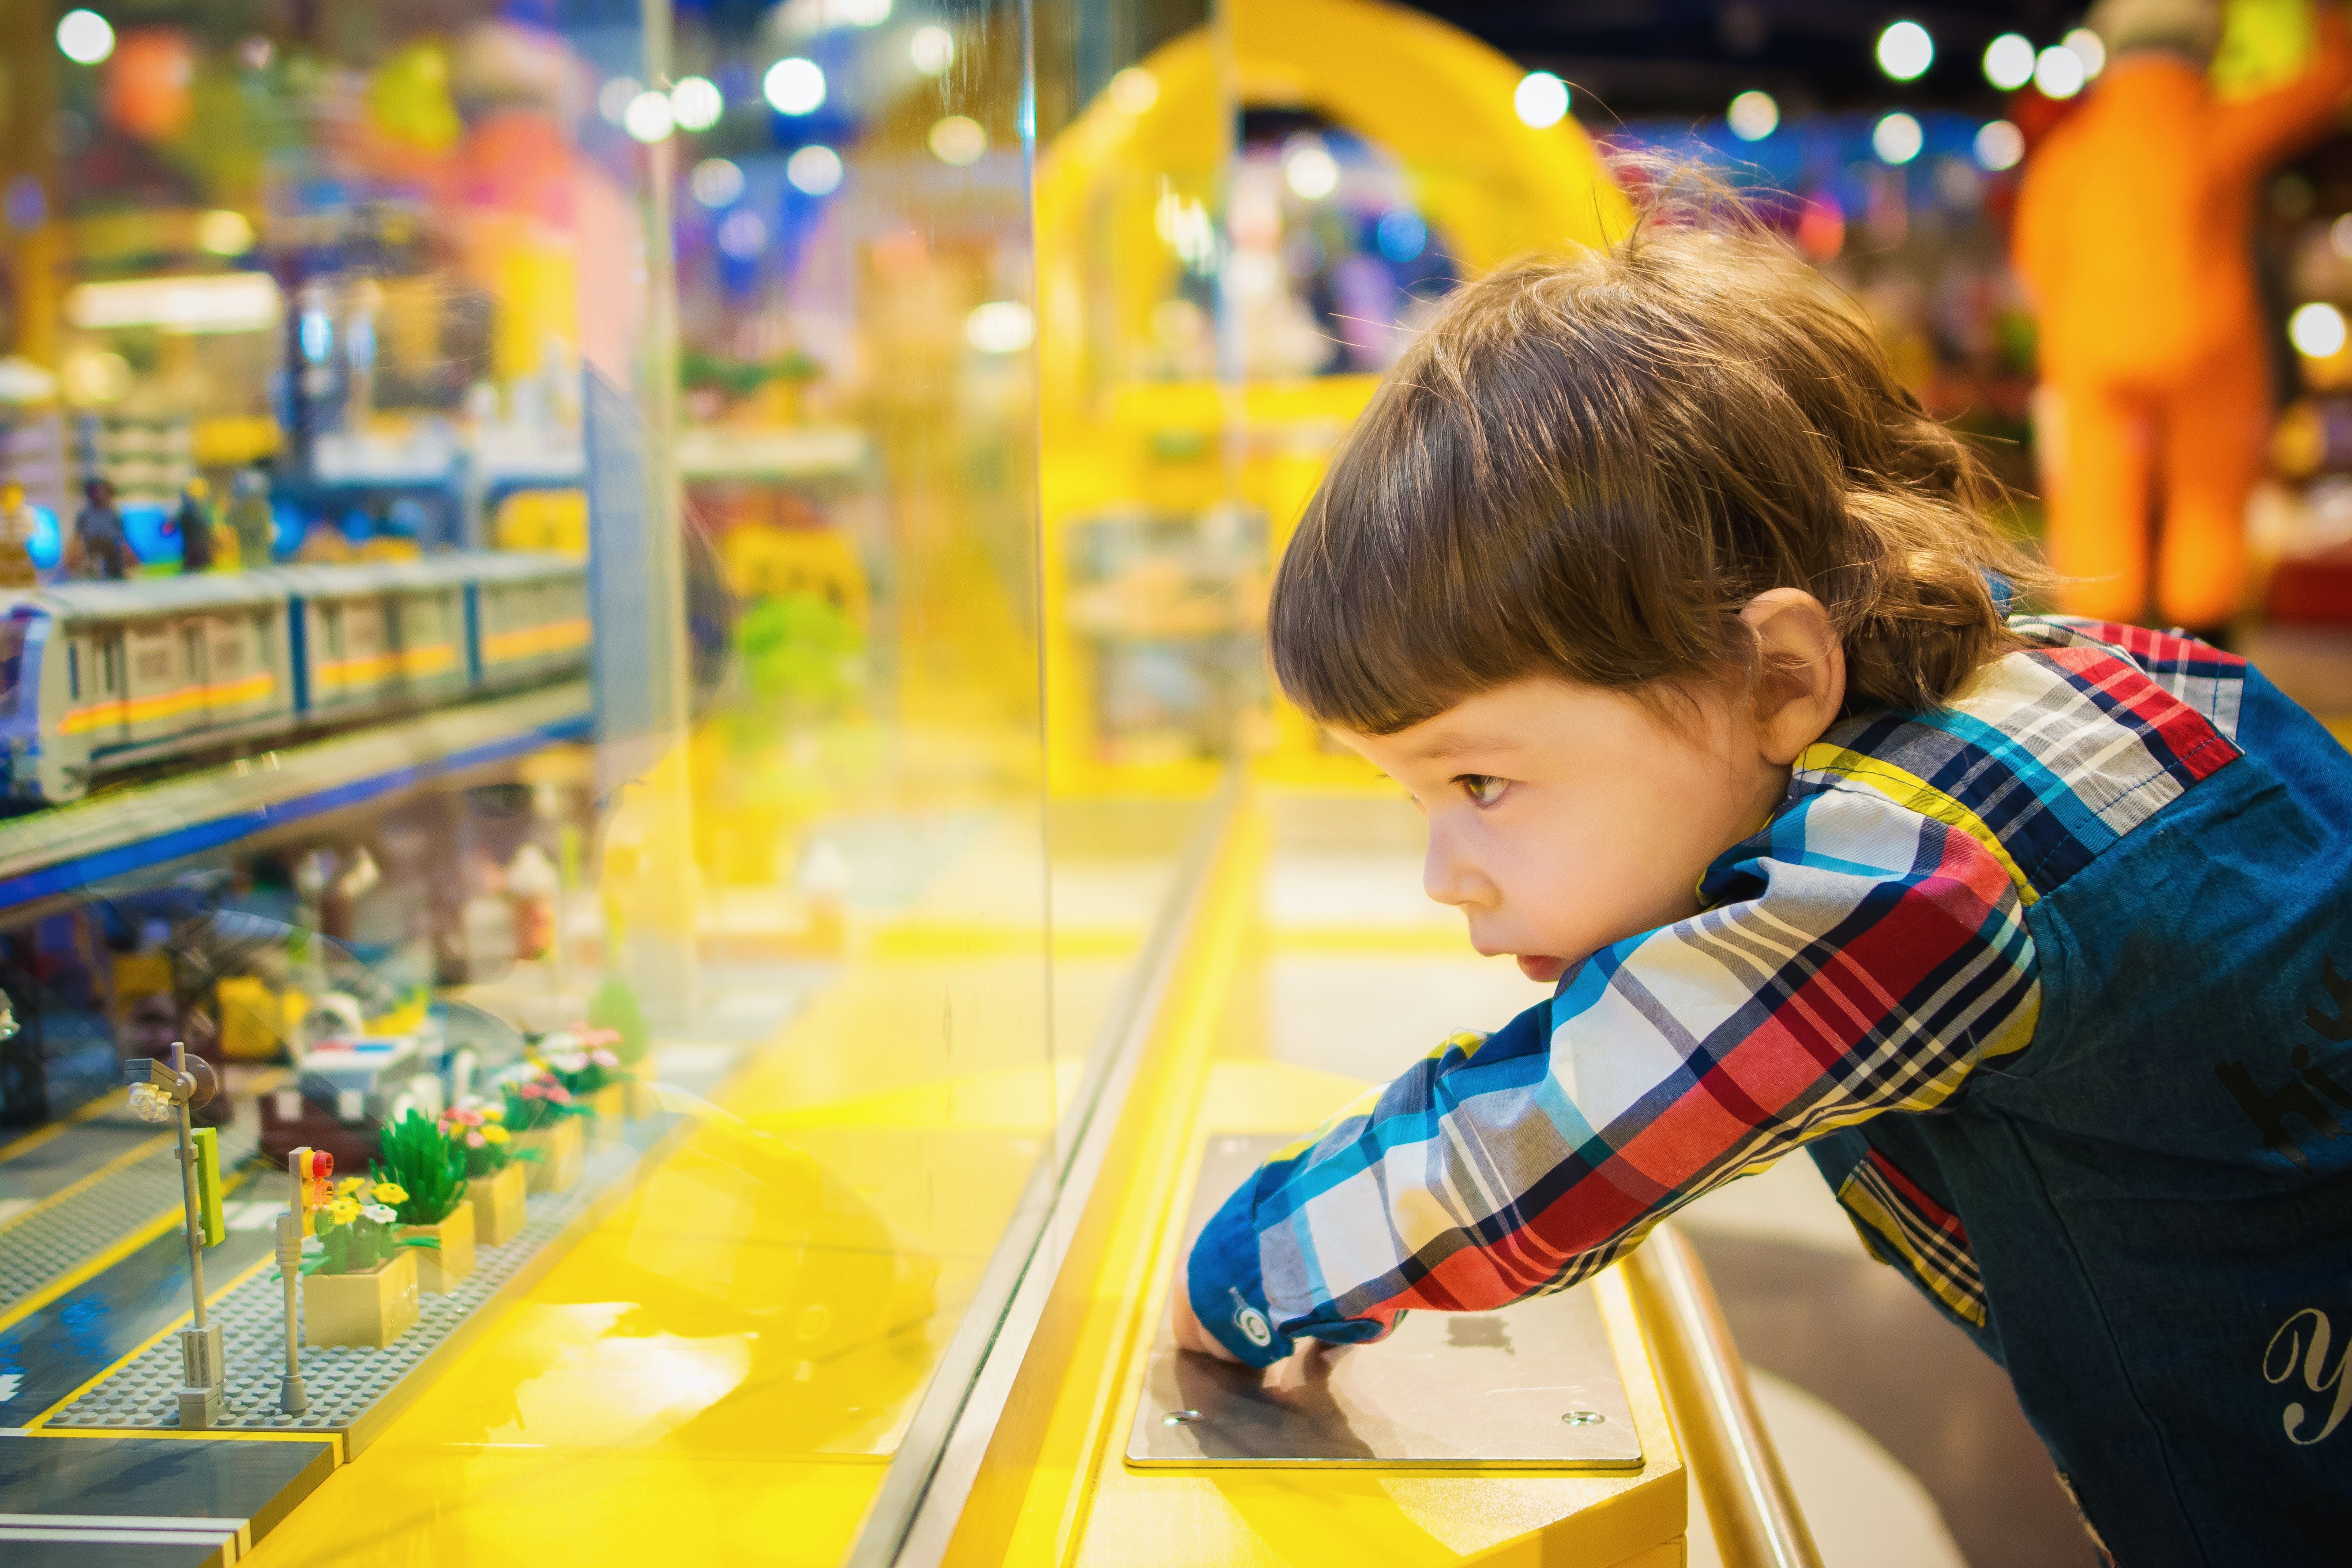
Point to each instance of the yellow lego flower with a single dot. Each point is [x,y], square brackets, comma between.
[390,1192]
[351,1185]
[494,1113]
[493,1133]
[342,1211]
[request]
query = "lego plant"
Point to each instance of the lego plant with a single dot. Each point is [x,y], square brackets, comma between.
[535,1103]
[358,1228]
[479,1133]
[427,1165]
[581,1060]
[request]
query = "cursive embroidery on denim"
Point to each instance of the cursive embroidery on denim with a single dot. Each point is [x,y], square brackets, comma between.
[2297,1356]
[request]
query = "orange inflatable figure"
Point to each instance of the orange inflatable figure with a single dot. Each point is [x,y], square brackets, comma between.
[2133,228]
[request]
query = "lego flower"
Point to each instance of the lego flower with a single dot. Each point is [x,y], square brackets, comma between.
[390,1192]
[558,1094]
[351,1185]
[534,1089]
[344,1211]
[491,1133]
[493,1113]
[475,1140]
[604,1058]
[379,1213]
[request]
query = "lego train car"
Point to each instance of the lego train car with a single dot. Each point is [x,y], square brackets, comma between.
[97,677]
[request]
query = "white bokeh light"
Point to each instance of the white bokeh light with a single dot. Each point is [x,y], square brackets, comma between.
[1753,115]
[714,182]
[741,235]
[2058,72]
[1896,139]
[2317,330]
[932,49]
[794,86]
[1999,145]
[958,139]
[1000,327]
[697,103]
[1311,171]
[1542,99]
[2009,61]
[1133,90]
[2086,46]
[814,171]
[1905,51]
[85,38]
[649,118]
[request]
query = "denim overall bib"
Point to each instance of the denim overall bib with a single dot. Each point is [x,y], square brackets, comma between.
[2145,1216]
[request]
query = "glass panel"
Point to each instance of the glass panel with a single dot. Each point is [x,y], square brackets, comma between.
[536,510]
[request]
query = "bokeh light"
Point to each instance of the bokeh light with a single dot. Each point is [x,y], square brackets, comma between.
[2009,61]
[1542,99]
[2086,46]
[1753,115]
[85,38]
[1309,170]
[697,103]
[932,49]
[795,85]
[958,139]
[1897,138]
[814,171]
[649,118]
[1134,89]
[2317,330]
[1000,327]
[1401,235]
[714,182]
[1905,51]
[2058,72]
[1999,145]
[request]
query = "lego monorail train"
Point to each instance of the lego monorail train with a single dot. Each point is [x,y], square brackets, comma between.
[99,677]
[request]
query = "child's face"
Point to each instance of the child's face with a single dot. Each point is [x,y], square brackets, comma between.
[1564,817]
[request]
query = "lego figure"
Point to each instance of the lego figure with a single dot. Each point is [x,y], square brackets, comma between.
[99,548]
[195,522]
[249,518]
[18,521]
[2133,234]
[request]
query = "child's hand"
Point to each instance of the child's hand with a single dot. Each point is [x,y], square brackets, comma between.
[1191,1336]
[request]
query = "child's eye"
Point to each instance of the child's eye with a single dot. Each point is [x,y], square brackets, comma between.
[1484,789]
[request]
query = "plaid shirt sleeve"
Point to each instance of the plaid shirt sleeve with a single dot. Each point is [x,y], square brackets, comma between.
[1855,957]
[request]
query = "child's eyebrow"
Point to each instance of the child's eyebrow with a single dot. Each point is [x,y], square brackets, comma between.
[1460,745]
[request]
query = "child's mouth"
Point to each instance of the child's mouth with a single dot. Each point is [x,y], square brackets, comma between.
[1538,967]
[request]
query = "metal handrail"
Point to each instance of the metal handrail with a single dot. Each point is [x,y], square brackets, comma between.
[1730,1454]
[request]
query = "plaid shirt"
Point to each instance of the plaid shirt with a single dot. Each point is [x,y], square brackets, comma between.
[1864,952]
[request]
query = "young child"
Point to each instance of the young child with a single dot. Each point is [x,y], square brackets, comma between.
[1686,628]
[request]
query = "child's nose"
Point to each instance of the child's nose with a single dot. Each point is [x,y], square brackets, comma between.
[1449,877]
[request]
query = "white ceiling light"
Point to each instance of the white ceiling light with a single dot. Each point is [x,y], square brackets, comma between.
[1999,145]
[814,171]
[932,49]
[648,119]
[212,302]
[2058,72]
[1897,138]
[958,139]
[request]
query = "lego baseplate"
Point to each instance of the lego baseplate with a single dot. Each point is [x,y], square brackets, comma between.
[350,1387]
[70,1227]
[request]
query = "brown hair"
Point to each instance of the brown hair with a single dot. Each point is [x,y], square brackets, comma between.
[1591,460]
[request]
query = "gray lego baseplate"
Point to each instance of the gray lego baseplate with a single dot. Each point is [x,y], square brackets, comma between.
[78,1223]
[343,1381]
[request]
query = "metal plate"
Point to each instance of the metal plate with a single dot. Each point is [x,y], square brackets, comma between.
[1533,1386]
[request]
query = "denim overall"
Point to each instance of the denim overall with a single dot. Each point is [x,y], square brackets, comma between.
[2145,1216]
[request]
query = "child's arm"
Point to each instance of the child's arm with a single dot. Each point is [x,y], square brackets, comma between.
[1860,957]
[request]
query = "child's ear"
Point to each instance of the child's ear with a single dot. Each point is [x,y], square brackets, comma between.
[1800,671]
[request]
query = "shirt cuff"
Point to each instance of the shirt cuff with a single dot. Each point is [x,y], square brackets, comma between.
[1223,1281]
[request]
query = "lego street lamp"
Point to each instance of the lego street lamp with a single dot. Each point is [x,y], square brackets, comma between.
[159,1090]
[308,1170]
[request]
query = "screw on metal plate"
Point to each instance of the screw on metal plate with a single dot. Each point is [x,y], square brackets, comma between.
[1180,1418]
[1584,1418]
